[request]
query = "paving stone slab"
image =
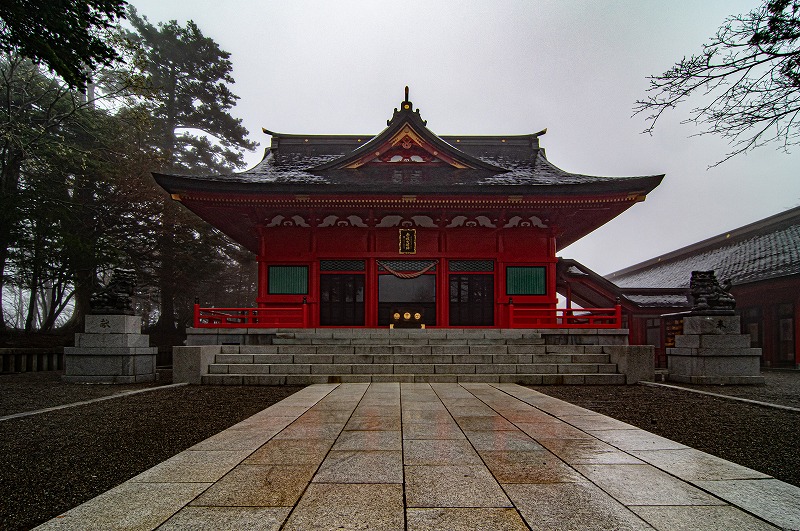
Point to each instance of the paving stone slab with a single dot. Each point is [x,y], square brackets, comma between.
[349,466]
[554,429]
[193,467]
[291,452]
[369,440]
[538,466]
[693,465]
[596,422]
[258,486]
[771,499]
[692,518]
[204,518]
[332,506]
[464,519]
[128,506]
[636,439]
[645,485]
[244,437]
[571,506]
[482,423]
[588,452]
[503,440]
[452,486]
[432,430]
[439,452]
[311,430]
[374,423]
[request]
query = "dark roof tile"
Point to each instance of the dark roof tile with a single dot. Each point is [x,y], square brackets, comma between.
[767,250]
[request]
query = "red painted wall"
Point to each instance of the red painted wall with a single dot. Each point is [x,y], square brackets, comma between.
[306,246]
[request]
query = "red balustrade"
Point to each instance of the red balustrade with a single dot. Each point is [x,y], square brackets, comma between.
[526,317]
[296,316]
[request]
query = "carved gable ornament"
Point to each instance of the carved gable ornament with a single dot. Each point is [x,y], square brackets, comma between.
[407,141]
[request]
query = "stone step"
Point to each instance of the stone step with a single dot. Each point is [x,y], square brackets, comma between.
[420,349]
[407,341]
[493,359]
[307,379]
[414,368]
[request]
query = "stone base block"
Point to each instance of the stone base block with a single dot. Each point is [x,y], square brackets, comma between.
[140,378]
[110,368]
[111,340]
[110,351]
[113,324]
[711,324]
[731,370]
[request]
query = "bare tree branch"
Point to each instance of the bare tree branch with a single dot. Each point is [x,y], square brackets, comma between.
[749,76]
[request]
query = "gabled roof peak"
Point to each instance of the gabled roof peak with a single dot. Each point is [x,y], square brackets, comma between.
[407,141]
[406,108]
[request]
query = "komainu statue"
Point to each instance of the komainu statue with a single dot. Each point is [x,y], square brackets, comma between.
[709,297]
[116,297]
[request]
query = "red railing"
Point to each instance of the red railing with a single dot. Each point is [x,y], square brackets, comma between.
[270,317]
[526,317]
[296,316]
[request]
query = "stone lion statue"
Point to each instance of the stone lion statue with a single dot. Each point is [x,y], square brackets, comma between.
[116,297]
[710,298]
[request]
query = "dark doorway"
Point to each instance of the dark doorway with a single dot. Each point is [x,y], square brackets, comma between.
[341,300]
[407,294]
[471,300]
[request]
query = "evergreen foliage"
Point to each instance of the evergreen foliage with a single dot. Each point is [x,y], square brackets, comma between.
[62,34]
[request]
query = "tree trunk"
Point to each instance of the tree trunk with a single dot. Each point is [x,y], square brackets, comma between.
[9,186]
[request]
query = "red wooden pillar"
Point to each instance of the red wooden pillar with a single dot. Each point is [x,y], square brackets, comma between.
[442,293]
[797,331]
[261,297]
[371,282]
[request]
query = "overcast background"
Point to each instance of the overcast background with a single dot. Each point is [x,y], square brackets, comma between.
[506,67]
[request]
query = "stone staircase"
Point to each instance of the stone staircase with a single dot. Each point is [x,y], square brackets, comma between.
[532,357]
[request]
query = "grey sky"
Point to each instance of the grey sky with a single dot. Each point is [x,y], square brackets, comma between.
[506,67]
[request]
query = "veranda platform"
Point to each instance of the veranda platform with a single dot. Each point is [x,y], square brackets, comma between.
[438,456]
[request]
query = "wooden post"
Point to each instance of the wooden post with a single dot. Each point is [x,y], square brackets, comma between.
[261,296]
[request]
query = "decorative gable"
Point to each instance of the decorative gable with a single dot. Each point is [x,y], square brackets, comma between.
[407,141]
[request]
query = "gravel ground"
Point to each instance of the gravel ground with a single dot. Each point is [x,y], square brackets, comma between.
[29,391]
[782,387]
[57,460]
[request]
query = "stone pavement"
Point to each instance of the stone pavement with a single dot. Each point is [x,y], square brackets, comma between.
[438,456]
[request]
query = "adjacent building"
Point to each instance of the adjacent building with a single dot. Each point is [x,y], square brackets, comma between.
[760,260]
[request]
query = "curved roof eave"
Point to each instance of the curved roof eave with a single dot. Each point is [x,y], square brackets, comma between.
[613,186]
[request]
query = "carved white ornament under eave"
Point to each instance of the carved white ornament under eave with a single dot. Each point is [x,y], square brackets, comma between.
[519,221]
[336,221]
[400,221]
[477,221]
[283,221]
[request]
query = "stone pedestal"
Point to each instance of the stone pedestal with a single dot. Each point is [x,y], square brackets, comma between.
[712,350]
[111,350]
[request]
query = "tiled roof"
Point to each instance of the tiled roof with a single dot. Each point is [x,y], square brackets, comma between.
[291,169]
[658,300]
[763,250]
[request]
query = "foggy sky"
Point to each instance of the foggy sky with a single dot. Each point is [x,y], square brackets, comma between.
[506,67]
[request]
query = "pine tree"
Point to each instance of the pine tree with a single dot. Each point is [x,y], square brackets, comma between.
[188,77]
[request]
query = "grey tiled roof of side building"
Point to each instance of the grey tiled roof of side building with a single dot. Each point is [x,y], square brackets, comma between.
[658,301]
[768,253]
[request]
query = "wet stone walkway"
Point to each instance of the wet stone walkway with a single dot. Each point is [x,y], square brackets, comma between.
[438,456]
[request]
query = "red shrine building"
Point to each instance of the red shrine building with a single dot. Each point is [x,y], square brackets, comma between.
[407,228]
